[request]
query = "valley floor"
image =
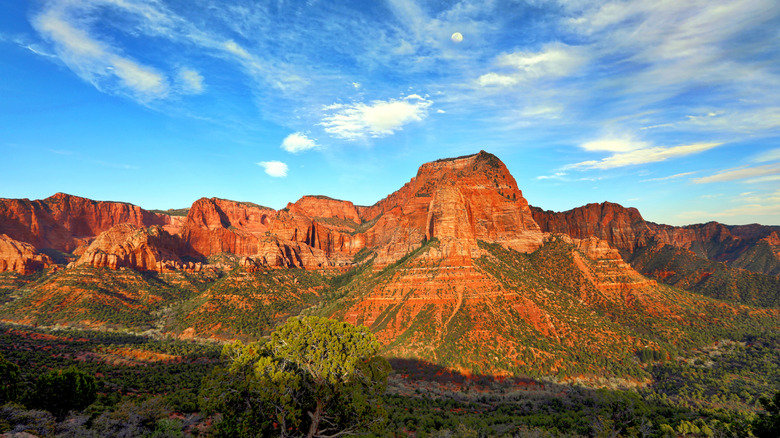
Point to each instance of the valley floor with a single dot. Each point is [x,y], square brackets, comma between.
[149,387]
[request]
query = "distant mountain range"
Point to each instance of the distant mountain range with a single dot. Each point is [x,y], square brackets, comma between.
[454,268]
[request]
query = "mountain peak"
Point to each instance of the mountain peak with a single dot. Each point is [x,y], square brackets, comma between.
[464,164]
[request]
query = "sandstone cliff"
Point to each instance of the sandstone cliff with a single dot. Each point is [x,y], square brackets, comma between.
[20,257]
[457,201]
[64,222]
[325,207]
[126,245]
[274,238]
[621,227]
[750,247]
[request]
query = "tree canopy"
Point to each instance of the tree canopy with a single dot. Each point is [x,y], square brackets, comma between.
[315,377]
[61,391]
[768,424]
[9,381]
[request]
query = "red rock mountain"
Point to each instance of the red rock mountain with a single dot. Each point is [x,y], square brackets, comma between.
[64,222]
[457,201]
[126,245]
[20,257]
[625,229]
[622,227]
[454,268]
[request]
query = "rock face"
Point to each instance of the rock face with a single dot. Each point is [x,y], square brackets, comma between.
[275,238]
[20,257]
[325,207]
[64,222]
[126,245]
[457,201]
[623,228]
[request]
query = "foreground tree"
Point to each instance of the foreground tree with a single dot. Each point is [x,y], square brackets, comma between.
[768,424]
[9,381]
[61,391]
[315,377]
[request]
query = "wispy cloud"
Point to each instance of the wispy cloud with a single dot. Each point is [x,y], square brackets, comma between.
[670,177]
[276,169]
[96,61]
[377,119]
[614,145]
[554,60]
[741,173]
[630,154]
[556,175]
[768,210]
[766,156]
[762,179]
[298,142]
[191,82]
[90,49]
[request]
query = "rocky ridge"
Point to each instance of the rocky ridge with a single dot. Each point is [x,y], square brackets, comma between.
[454,268]
[21,257]
[457,201]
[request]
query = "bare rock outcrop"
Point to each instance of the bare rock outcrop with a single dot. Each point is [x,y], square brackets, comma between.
[20,257]
[65,222]
[126,245]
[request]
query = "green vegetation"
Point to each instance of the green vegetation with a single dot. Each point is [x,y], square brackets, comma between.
[9,381]
[137,397]
[249,305]
[315,377]
[557,329]
[61,391]
[680,268]
[173,211]
[767,424]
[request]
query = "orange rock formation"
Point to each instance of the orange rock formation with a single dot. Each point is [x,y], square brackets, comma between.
[126,245]
[20,257]
[64,222]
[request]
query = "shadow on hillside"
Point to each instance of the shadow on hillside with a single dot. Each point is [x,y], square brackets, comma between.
[415,369]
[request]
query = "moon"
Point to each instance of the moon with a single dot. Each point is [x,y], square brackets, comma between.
[457,37]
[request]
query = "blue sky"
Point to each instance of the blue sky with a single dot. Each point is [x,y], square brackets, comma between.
[672,107]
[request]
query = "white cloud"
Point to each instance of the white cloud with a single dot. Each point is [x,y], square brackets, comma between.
[665,178]
[556,175]
[643,156]
[741,173]
[614,145]
[762,179]
[232,47]
[191,81]
[770,155]
[497,80]
[79,40]
[96,61]
[142,79]
[298,142]
[379,119]
[276,169]
[765,205]
[740,120]
[762,198]
[554,60]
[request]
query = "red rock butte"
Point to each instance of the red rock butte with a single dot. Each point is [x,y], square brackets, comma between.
[456,201]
